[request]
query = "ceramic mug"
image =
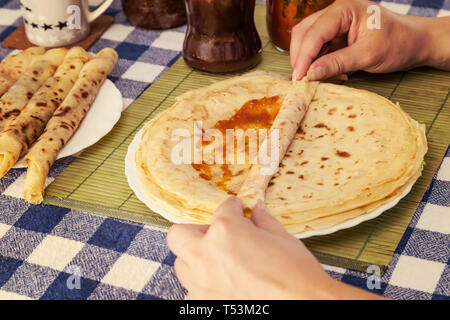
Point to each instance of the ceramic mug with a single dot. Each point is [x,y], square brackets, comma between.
[51,23]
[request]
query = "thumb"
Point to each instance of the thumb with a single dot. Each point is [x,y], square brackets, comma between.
[345,60]
[262,219]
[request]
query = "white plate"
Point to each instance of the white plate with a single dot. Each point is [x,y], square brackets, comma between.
[99,120]
[136,185]
[139,190]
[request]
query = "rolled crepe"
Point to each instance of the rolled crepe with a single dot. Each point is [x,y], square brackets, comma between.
[287,122]
[15,99]
[13,66]
[64,122]
[21,132]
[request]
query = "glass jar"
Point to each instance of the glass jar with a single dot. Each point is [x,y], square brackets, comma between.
[221,35]
[155,14]
[283,15]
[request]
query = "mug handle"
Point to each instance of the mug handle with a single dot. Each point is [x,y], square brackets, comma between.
[96,13]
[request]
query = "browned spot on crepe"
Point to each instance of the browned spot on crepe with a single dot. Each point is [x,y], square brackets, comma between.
[342,154]
[36,118]
[62,112]
[321,125]
[14,112]
[300,131]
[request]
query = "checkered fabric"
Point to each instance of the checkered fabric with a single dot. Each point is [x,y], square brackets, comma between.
[48,252]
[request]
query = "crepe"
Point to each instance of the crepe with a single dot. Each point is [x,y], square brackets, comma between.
[21,132]
[65,121]
[13,66]
[15,99]
[343,160]
[286,124]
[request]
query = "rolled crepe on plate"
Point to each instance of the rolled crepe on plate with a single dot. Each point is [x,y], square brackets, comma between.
[15,99]
[22,131]
[13,66]
[65,121]
[286,123]
[342,162]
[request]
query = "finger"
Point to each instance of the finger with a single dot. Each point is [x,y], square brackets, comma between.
[298,33]
[262,218]
[345,60]
[333,23]
[230,208]
[183,273]
[182,238]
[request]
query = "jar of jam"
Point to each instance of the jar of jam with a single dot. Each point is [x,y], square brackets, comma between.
[221,35]
[283,15]
[155,14]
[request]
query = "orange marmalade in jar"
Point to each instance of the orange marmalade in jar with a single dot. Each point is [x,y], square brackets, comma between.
[283,15]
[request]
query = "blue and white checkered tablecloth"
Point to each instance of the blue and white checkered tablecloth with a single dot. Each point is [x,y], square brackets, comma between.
[48,252]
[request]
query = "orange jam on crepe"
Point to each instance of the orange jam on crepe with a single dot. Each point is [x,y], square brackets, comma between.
[254,114]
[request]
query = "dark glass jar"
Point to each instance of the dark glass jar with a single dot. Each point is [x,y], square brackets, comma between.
[155,14]
[221,35]
[283,15]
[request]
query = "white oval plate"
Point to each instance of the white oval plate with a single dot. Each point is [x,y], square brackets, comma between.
[139,191]
[99,120]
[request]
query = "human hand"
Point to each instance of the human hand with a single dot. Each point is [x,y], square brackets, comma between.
[402,42]
[238,258]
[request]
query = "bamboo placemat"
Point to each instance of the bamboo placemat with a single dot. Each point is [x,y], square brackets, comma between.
[95,182]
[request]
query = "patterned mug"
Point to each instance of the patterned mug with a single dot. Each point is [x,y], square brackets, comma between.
[51,23]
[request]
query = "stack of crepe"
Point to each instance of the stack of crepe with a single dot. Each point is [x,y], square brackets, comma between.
[44,96]
[352,152]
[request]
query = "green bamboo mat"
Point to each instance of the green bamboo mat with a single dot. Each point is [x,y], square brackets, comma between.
[95,182]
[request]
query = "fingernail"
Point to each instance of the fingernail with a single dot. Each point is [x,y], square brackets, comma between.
[317,73]
[261,206]
[294,75]
[235,198]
